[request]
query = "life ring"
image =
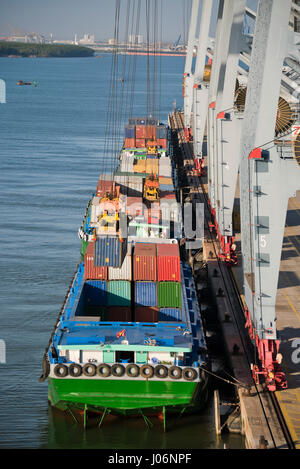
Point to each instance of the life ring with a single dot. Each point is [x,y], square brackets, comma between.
[117,370]
[75,370]
[161,371]
[132,370]
[61,370]
[89,369]
[189,374]
[175,372]
[104,370]
[146,371]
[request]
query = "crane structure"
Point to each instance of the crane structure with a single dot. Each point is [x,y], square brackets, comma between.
[249,106]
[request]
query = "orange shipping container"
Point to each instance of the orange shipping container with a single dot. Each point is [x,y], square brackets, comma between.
[140,143]
[129,143]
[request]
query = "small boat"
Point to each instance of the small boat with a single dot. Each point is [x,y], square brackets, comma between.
[21,82]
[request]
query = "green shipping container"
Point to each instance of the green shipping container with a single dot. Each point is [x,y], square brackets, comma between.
[119,293]
[169,295]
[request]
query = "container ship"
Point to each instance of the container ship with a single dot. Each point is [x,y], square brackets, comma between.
[129,338]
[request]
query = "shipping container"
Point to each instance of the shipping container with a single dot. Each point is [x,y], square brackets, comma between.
[167,195]
[126,164]
[90,270]
[145,294]
[161,131]
[168,263]
[129,131]
[119,293]
[140,131]
[166,187]
[140,143]
[152,166]
[123,272]
[169,295]
[150,131]
[165,180]
[135,189]
[146,314]
[95,293]
[118,314]
[144,262]
[162,142]
[109,251]
[140,166]
[170,314]
[129,143]
[104,186]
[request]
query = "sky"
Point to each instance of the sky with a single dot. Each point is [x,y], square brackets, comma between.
[64,18]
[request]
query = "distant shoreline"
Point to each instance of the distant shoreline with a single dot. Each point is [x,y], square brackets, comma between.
[30,50]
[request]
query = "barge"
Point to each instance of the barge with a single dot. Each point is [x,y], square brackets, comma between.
[129,338]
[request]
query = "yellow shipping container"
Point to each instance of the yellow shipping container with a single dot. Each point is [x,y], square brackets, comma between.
[140,166]
[165,180]
[151,166]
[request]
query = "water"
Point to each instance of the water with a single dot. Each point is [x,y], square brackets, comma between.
[50,155]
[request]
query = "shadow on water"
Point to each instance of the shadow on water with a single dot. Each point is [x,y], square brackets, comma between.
[189,432]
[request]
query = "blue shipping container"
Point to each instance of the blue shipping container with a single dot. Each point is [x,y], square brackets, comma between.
[95,292]
[170,314]
[161,131]
[109,252]
[145,294]
[166,187]
[129,131]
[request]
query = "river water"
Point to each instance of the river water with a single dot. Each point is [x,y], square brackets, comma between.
[52,137]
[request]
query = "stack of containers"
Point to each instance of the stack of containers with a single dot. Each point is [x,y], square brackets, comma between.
[129,136]
[161,134]
[135,186]
[145,276]
[165,168]
[91,270]
[140,166]
[166,184]
[103,186]
[126,165]
[140,136]
[152,166]
[169,282]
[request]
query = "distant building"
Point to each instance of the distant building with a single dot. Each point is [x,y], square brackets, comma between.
[112,42]
[135,39]
[87,39]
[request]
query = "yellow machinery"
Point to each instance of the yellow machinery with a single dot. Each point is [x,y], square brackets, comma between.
[151,187]
[151,148]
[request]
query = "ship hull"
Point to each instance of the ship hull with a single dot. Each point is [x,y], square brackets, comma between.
[128,397]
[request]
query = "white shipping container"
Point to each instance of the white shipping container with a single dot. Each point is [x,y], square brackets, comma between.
[123,272]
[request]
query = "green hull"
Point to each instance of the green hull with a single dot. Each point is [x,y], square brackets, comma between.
[125,396]
[83,247]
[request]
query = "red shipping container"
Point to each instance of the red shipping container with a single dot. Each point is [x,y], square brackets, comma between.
[146,314]
[144,262]
[140,131]
[150,131]
[168,263]
[162,142]
[129,143]
[119,314]
[103,187]
[140,143]
[92,272]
